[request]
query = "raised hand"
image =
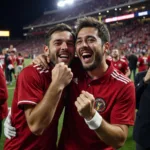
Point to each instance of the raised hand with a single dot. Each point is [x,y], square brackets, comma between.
[41,60]
[85,105]
[61,75]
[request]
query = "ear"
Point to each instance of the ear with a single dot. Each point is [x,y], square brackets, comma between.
[45,48]
[106,47]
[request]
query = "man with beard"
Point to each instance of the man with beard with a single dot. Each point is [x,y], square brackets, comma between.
[101,101]
[119,63]
[39,93]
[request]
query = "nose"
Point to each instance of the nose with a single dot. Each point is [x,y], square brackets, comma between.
[64,46]
[84,44]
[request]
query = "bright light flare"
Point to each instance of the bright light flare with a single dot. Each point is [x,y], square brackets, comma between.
[69,2]
[60,4]
[63,3]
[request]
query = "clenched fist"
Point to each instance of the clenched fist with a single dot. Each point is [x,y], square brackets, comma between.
[85,105]
[61,75]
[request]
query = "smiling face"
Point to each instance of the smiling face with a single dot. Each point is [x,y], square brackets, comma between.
[115,53]
[61,47]
[89,48]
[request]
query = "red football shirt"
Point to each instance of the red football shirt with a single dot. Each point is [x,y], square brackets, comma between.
[148,59]
[3,96]
[2,62]
[12,60]
[114,100]
[142,64]
[31,86]
[124,58]
[20,60]
[121,65]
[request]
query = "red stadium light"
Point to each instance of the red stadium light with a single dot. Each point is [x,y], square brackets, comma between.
[124,17]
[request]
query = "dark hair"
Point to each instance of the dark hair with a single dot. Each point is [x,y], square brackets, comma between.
[59,27]
[19,54]
[103,32]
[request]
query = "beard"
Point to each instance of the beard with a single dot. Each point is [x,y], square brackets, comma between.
[95,64]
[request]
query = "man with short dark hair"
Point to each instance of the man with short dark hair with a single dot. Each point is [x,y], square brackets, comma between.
[101,101]
[119,63]
[39,93]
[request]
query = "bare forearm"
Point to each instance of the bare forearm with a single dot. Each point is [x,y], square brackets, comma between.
[111,134]
[127,73]
[41,116]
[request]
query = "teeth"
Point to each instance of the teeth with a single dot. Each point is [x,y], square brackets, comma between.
[63,56]
[85,54]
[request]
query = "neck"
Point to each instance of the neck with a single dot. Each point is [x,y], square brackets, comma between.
[116,59]
[99,71]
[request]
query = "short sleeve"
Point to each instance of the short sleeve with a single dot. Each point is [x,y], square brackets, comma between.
[126,67]
[30,90]
[123,111]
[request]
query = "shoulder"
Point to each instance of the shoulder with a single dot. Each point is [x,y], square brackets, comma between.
[119,78]
[33,71]
[122,60]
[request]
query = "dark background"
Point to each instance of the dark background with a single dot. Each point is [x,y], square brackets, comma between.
[15,14]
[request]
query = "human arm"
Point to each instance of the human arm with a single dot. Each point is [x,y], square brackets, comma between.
[127,69]
[45,109]
[128,72]
[3,88]
[112,134]
[41,60]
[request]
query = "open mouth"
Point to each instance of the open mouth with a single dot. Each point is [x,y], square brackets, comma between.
[86,55]
[65,56]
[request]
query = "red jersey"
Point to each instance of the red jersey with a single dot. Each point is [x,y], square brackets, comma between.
[124,58]
[114,100]
[20,60]
[3,96]
[12,60]
[121,65]
[148,60]
[142,64]
[31,87]
[2,62]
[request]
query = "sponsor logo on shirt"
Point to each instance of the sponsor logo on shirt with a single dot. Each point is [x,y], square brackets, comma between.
[100,105]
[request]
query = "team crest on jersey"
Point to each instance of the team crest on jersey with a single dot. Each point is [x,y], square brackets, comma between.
[119,65]
[100,105]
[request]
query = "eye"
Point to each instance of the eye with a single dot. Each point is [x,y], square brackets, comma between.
[78,42]
[57,43]
[90,39]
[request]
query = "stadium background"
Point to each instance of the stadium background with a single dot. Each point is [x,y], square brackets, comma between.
[127,20]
